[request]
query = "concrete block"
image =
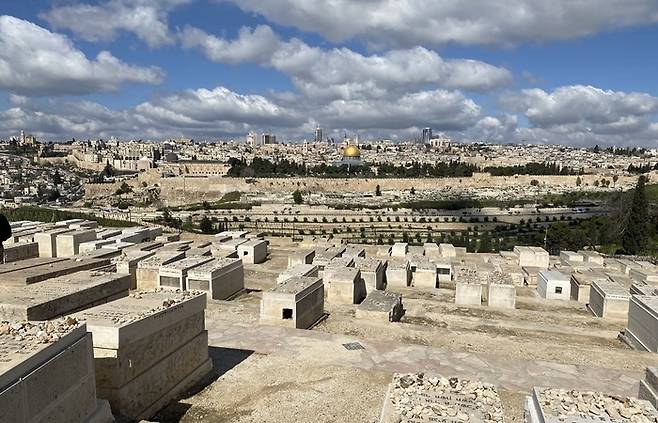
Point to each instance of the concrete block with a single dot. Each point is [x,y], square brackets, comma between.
[129,319]
[114,368]
[309,270]
[642,329]
[174,275]
[373,273]
[344,286]
[147,274]
[220,278]
[301,257]
[501,296]
[383,306]
[52,270]
[468,293]
[143,396]
[62,295]
[68,244]
[554,285]
[398,273]
[297,302]
[609,300]
[399,249]
[253,251]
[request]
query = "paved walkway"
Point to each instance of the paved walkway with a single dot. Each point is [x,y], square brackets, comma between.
[327,349]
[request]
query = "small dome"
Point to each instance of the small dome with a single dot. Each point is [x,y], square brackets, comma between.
[351,151]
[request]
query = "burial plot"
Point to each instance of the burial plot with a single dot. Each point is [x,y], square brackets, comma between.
[419,398]
[148,349]
[47,374]
[51,270]
[62,295]
[220,278]
[383,306]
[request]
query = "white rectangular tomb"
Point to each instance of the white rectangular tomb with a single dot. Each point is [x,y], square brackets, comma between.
[222,278]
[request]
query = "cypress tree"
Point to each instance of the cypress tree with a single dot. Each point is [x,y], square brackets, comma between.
[636,232]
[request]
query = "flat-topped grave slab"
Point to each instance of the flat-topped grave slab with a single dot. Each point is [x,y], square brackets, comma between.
[220,277]
[24,346]
[550,405]
[62,295]
[418,398]
[28,263]
[132,318]
[52,270]
[381,305]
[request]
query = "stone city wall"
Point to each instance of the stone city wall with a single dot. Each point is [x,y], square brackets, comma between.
[196,189]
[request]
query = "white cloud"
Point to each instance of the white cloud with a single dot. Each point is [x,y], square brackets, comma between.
[204,107]
[346,74]
[587,106]
[443,110]
[251,46]
[35,61]
[147,19]
[584,115]
[435,22]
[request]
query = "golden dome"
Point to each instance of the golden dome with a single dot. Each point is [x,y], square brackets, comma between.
[351,151]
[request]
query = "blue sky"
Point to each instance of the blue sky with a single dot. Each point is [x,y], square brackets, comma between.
[556,72]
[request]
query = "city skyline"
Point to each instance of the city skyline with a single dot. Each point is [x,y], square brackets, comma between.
[566,73]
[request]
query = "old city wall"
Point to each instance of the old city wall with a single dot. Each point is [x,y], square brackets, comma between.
[180,190]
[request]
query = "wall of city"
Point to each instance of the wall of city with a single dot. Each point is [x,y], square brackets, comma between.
[181,190]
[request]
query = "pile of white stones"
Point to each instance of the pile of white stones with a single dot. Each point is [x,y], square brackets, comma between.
[409,389]
[564,403]
[38,332]
[177,297]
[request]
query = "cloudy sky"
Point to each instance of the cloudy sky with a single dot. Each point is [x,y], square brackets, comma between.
[561,71]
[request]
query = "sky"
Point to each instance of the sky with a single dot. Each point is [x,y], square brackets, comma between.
[567,72]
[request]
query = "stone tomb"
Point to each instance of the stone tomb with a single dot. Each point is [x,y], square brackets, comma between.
[301,257]
[68,244]
[553,285]
[609,299]
[418,398]
[48,376]
[550,405]
[148,349]
[399,249]
[649,387]
[174,275]
[425,275]
[571,256]
[227,248]
[324,256]
[581,283]
[62,295]
[354,251]
[52,270]
[344,285]
[398,272]
[468,293]
[642,329]
[373,273]
[48,241]
[309,270]
[383,306]
[648,276]
[221,278]
[21,251]
[447,250]
[128,261]
[253,251]
[591,257]
[148,270]
[431,250]
[297,303]
[501,295]
[28,263]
